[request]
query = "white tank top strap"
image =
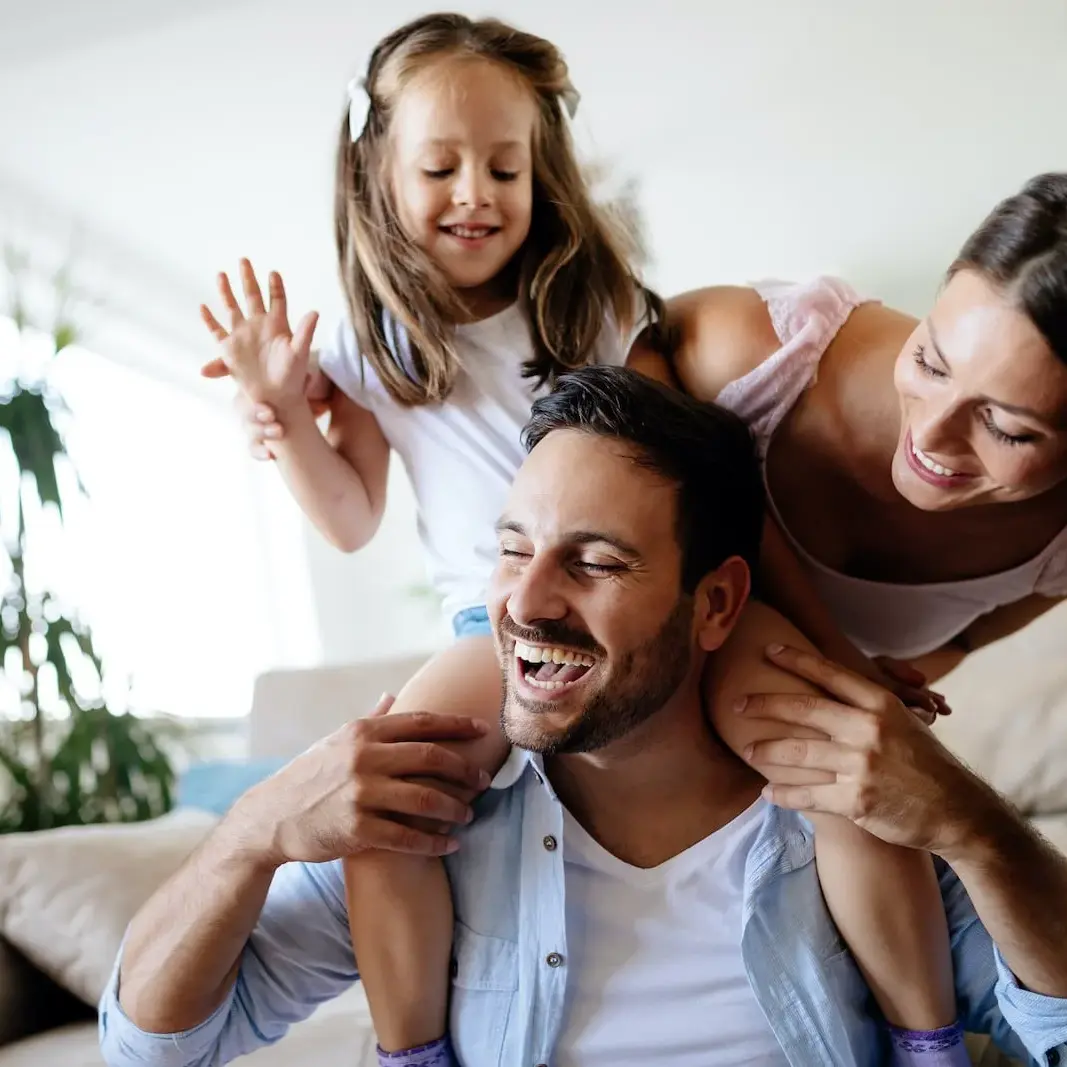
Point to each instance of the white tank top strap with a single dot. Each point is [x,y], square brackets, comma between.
[806,319]
[1052,578]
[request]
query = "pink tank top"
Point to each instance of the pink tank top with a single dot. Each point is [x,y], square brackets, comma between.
[881,618]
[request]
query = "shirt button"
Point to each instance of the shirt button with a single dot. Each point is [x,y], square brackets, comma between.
[554,959]
[550,846]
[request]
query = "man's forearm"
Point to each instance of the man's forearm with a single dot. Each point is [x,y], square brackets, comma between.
[184,946]
[1018,884]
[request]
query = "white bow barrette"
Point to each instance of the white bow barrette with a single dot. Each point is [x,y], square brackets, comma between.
[359,105]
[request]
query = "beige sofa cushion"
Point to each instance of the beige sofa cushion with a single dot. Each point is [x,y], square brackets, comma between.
[66,896]
[1009,720]
[292,709]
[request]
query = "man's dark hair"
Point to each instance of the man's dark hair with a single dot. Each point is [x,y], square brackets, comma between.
[706,452]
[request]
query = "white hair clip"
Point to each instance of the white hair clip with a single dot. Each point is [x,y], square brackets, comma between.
[359,104]
[570,98]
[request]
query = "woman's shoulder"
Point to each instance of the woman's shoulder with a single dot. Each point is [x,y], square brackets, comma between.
[723,333]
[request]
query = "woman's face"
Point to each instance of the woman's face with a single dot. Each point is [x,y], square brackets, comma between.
[983,403]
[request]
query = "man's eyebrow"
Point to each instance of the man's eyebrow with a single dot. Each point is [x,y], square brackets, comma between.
[578,537]
[601,537]
[1015,409]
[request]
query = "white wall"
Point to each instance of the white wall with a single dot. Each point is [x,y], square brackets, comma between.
[770,137]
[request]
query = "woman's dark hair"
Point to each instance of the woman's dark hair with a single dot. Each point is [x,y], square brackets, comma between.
[705,451]
[1022,247]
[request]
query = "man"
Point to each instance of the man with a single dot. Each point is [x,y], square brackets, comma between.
[625,895]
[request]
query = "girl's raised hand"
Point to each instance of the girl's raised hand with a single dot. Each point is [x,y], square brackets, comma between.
[269,362]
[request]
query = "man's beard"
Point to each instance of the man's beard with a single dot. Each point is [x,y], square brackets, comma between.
[639,685]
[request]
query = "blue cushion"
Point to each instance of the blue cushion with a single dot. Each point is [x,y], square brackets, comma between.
[215,785]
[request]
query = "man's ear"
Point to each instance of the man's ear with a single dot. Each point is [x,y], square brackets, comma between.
[719,597]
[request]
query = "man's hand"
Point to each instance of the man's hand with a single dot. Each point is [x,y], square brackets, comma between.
[350,791]
[891,775]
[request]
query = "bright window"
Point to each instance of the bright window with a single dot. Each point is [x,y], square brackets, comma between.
[169,560]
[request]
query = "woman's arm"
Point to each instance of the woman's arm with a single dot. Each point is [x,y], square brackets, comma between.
[1000,623]
[1004,621]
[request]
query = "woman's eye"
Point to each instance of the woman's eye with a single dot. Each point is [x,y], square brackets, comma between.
[926,368]
[999,435]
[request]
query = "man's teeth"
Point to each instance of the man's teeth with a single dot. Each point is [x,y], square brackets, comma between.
[930,465]
[537,654]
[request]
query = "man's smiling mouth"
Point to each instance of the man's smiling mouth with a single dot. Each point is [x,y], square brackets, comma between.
[551,668]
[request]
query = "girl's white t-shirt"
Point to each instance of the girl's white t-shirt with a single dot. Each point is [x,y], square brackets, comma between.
[461,455]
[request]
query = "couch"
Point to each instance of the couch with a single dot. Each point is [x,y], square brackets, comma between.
[65,897]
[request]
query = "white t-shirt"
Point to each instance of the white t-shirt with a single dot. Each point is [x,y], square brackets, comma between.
[462,455]
[655,973]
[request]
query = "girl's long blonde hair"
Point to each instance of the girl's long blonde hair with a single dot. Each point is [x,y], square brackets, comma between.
[573,269]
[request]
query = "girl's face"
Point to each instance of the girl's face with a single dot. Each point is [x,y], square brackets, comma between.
[462,168]
[983,403]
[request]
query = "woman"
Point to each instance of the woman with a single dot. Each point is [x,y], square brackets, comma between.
[918,471]
[917,468]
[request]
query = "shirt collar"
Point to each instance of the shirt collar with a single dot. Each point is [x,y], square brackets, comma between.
[518,763]
[784,843]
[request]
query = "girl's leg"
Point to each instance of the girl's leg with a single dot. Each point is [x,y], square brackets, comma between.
[884,899]
[399,906]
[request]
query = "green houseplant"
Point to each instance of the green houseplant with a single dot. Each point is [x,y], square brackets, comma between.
[65,758]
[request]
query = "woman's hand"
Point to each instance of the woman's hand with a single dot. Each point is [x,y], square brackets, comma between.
[908,684]
[887,773]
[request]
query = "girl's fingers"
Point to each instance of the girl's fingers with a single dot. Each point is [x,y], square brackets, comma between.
[304,332]
[278,304]
[215,369]
[218,331]
[250,284]
[230,301]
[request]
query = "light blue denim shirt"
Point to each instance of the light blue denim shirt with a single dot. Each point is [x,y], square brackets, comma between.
[510,954]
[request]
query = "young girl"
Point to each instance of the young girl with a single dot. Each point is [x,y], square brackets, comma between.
[476,270]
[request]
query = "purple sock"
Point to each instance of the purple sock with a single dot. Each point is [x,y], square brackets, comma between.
[436,1054]
[929,1048]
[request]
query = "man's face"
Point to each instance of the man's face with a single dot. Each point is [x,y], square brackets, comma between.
[593,630]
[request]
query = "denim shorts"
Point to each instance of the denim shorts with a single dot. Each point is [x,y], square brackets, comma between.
[472,622]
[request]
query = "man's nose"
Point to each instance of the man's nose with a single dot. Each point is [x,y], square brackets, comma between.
[536,594]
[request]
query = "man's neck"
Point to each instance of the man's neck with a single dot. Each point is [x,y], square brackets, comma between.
[658,791]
